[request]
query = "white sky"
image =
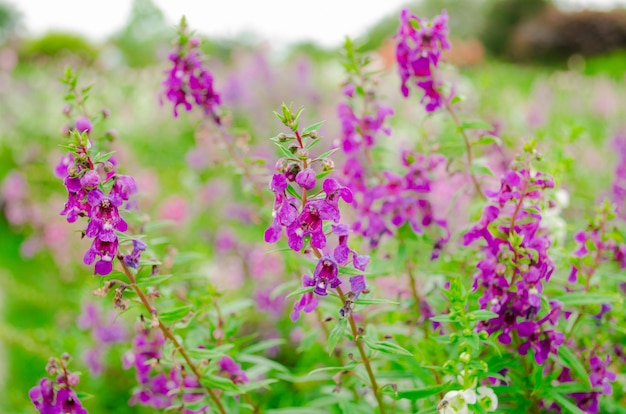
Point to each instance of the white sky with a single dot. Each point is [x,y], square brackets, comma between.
[325,21]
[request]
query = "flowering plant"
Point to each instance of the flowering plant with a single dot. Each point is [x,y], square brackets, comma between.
[399,257]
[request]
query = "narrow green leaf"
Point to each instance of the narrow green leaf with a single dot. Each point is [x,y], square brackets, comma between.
[476,124]
[348,367]
[482,315]
[220,383]
[372,301]
[387,347]
[300,291]
[293,192]
[572,362]
[566,404]
[312,128]
[336,334]
[286,153]
[488,140]
[420,393]
[586,298]
[175,314]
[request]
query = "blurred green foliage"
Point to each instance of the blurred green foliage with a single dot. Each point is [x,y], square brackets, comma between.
[58,45]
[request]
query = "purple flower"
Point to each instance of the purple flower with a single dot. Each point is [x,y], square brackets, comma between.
[233,370]
[189,81]
[326,273]
[357,285]
[308,302]
[107,252]
[419,48]
[306,179]
[132,259]
[83,125]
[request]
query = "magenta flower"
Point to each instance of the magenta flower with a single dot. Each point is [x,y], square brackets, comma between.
[233,370]
[419,48]
[308,302]
[188,82]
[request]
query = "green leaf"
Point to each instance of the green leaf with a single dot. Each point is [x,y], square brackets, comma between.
[327,154]
[300,291]
[586,298]
[201,353]
[293,192]
[312,128]
[263,345]
[260,361]
[336,334]
[571,361]
[286,153]
[481,169]
[482,315]
[565,403]
[251,386]
[442,318]
[372,301]
[153,280]
[488,140]
[220,383]
[387,347]
[476,124]
[420,393]
[348,367]
[174,314]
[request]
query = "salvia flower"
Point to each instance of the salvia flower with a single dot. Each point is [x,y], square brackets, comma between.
[188,81]
[516,264]
[419,48]
[58,396]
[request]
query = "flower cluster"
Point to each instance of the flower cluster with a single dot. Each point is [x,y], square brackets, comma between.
[158,387]
[105,332]
[232,370]
[326,273]
[516,266]
[58,396]
[419,48]
[188,81]
[401,199]
[97,192]
[597,245]
[599,378]
[619,183]
[305,217]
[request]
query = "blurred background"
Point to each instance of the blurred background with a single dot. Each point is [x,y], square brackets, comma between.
[554,70]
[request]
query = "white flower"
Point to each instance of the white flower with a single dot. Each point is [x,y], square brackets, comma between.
[455,402]
[487,399]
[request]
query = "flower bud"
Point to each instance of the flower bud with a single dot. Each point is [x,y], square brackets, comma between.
[282,137]
[302,154]
[194,41]
[292,171]
[106,113]
[306,179]
[328,165]
[91,179]
[293,148]
[67,109]
[83,124]
[465,358]
[281,165]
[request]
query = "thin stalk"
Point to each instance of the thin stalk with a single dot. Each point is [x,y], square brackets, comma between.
[168,334]
[468,149]
[364,357]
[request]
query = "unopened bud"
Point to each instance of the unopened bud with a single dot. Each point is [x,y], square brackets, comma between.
[328,164]
[66,130]
[106,113]
[293,148]
[111,135]
[465,358]
[313,134]
[282,137]
[292,171]
[194,41]
[302,154]
[67,109]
